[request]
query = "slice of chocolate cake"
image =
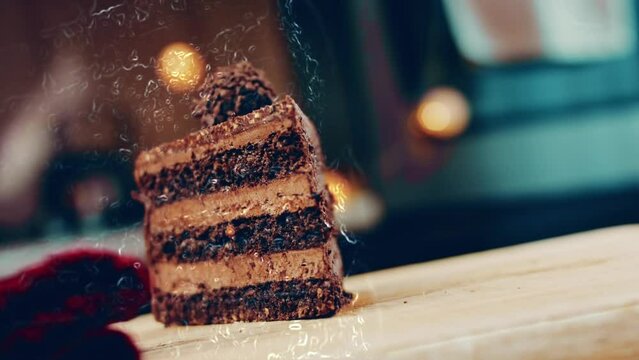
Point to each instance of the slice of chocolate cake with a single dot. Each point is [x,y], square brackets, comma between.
[238,222]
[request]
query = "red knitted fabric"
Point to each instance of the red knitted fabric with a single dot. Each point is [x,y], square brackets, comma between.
[59,309]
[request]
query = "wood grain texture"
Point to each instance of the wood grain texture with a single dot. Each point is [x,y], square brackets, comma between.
[575,297]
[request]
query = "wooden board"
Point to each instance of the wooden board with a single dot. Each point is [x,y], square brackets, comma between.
[573,297]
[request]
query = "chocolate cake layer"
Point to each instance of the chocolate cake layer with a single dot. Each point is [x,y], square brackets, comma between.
[248,269]
[262,234]
[283,115]
[254,163]
[270,301]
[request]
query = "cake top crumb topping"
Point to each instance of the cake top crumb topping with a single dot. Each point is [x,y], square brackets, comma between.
[232,90]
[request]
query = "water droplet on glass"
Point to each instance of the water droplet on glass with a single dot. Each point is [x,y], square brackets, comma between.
[351,240]
[141,15]
[103,202]
[120,18]
[134,55]
[89,288]
[125,282]
[151,86]
[178,5]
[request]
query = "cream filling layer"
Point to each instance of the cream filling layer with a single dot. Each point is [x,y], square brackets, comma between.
[248,269]
[291,193]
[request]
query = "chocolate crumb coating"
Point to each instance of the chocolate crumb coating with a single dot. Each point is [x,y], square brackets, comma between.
[232,90]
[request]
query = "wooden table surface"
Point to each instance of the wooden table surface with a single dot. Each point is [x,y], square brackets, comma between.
[574,297]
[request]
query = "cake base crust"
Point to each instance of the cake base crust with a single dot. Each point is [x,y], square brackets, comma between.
[322,262]
[298,230]
[269,301]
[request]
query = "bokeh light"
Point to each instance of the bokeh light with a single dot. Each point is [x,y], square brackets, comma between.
[180,66]
[340,187]
[356,207]
[443,113]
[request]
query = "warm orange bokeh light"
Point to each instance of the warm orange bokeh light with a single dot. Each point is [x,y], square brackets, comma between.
[180,66]
[443,113]
[340,187]
[356,207]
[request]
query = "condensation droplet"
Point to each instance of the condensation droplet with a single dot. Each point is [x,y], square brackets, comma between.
[151,86]
[134,55]
[103,202]
[351,240]
[125,154]
[141,15]
[120,18]
[178,5]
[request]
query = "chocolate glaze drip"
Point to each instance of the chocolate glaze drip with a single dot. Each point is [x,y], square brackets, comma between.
[232,90]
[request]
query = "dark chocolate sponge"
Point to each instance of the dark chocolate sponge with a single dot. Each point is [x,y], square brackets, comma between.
[232,90]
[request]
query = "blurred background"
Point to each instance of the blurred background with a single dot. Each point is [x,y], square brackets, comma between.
[449,126]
